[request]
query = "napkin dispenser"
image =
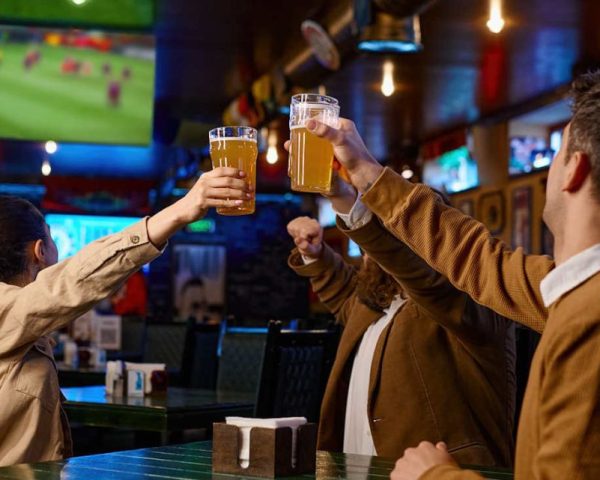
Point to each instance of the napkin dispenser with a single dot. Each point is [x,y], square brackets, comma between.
[271,450]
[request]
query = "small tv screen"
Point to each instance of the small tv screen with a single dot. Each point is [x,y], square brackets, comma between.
[73,232]
[82,86]
[529,153]
[453,171]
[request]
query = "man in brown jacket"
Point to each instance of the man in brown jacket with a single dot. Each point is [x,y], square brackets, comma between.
[39,296]
[419,360]
[559,430]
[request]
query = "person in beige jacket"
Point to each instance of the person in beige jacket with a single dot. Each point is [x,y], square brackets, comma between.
[39,295]
[559,428]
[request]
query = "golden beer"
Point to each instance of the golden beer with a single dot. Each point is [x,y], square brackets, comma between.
[311,158]
[236,152]
[311,162]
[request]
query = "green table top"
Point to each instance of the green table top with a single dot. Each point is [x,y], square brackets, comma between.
[193,461]
[181,408]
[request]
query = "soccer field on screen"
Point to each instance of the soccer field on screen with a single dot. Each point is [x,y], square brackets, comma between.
[44,100]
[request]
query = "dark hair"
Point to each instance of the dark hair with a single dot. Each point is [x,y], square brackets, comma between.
[20,224]
[584,133]
[375,288]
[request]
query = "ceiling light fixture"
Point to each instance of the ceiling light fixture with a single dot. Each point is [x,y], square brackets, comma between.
[496,22]
[51,147]
[46,167]
[389,34]
[387,82]
[272,156]
[407,172]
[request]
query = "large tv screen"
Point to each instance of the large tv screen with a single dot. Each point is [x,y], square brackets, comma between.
[79,86]
[72,232]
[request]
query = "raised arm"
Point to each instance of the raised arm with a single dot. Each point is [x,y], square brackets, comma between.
[332,279]
[457,246]
[63,292]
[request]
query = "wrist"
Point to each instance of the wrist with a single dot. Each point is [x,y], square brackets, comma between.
[365,173]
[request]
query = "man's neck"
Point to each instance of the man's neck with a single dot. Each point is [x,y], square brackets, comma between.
[580,231]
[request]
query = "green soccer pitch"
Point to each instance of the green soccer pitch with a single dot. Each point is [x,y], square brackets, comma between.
[45,104]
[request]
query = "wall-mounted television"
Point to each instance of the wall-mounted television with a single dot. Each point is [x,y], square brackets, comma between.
[72,232]
[82,86]
[453,171]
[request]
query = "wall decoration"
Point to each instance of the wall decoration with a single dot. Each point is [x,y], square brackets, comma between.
[199,281]
[521,218]
[491,211]
[467,207]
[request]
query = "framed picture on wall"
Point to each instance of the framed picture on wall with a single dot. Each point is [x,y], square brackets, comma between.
[491,211]
[199,281]
[467,207]
[521,218]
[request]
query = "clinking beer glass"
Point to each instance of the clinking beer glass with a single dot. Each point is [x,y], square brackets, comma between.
[235,147]
[311,158]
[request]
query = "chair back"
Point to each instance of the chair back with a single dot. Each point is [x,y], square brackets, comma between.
[295,370]
[200,357]
[241,358]
[132,338]
[165,343]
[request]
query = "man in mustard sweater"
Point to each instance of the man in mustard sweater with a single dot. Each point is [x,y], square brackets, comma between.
[39,295]
[559,429]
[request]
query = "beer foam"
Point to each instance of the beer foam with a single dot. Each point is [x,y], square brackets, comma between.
[243,139]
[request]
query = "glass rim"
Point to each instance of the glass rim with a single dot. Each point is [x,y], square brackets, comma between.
[244,131]
[315,98]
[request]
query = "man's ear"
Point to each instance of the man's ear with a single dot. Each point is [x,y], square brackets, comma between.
[39,251]
[577,171]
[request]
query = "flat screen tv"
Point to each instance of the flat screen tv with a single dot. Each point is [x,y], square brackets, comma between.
[453,171]
[72,232]
[82,86]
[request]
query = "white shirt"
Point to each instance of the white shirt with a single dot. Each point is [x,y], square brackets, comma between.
[570,274]
[357,430]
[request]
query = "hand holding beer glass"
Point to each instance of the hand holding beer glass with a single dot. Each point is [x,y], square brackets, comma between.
[311,157]
[236,147]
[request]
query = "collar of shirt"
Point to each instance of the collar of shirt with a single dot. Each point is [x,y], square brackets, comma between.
[570,274]
[397,302]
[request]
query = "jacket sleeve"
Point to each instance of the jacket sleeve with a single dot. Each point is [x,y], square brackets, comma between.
[332,279]
[65,291]
[462,249]
[431,291]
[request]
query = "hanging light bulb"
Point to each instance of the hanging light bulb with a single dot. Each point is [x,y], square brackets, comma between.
[51,147]
[46,167]
[496,22]
[387,83]
[407,172]
[272,156]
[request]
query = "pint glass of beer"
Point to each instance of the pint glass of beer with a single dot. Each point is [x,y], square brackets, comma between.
[235,147]
[311,158]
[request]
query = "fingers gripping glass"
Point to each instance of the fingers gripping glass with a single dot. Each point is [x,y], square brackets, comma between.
[235,147]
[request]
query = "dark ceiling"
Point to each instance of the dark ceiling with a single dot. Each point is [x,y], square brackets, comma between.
[210,51]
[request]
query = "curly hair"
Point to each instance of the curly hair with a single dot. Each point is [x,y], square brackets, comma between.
[20,224]
[584,134]
[374,287]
